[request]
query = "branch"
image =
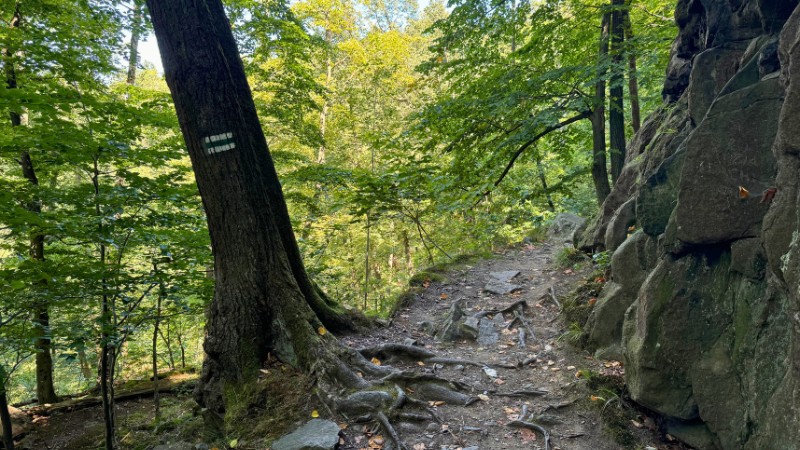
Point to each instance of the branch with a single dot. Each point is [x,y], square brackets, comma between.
[583,115]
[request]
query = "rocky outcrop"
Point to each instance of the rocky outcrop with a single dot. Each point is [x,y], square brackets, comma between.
[704,298]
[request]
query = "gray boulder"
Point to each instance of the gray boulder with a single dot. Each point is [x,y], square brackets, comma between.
[730,148]
[317,434]
[564,225]
[630,265]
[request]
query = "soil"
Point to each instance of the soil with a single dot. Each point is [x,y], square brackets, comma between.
[579,413]
[579,400]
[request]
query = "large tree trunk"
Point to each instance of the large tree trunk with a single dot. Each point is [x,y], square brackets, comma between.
[45,391]
[616,115]
[262,293]
[599,169]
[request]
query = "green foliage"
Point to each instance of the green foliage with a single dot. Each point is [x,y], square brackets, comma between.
[570,257]
[390,128]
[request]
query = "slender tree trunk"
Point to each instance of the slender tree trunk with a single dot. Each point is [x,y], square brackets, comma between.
[107,347]
[633,77]
[616,116]
[323,114]
[262,293]
[156,402]
[543,179]
[599,169]
[168,343]
[136,36]
[86,368]
[5,416]
[45,391]
[366,262]
[407,253]
[179,337]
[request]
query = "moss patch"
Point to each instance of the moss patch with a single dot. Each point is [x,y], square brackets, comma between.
[259,412]
[611,397]
[577,306]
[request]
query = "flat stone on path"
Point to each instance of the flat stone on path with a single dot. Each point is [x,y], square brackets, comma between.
[487,334]
[505,275]
[317,434]
[500,287]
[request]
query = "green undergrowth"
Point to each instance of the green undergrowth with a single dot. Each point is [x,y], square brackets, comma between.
[576,308]
[261,412]
[437,273]
[610,396]
[571,258]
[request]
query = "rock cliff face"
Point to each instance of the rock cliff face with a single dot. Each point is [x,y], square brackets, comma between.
[704,299]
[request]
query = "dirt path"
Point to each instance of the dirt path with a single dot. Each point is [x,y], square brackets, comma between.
[565,407]
[544,376]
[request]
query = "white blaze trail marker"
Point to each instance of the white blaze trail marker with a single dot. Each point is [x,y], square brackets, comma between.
[218,143]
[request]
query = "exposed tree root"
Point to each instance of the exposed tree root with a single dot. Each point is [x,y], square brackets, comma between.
[532,426]
[410,353]
[361,390]
[519,394]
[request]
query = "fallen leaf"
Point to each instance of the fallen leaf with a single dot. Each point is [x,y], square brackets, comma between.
[636,424]
[743,193]
[595,398]
[322,331]
[419,446]
[483,397]
[499,381]
[527,435]
[375,361]
[436,403]
[592,301]
[420,363]
[768,195]
[443,297]
[376,442]
[315,413]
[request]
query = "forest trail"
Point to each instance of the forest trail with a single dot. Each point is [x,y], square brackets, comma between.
[545,387]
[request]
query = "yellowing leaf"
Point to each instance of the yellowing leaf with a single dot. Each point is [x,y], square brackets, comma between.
[315,413]
[376,361]
[743,193]
[322,331]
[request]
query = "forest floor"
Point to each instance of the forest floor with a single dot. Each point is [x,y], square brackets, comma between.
[580,401]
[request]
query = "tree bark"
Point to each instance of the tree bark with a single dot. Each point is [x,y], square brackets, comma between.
[616,116]
[262,293]
[323,114]
[633,77]
[136,35]
[45,391]
[543,179]
[156,404]
[107,328]
[599,169]
[5,416]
